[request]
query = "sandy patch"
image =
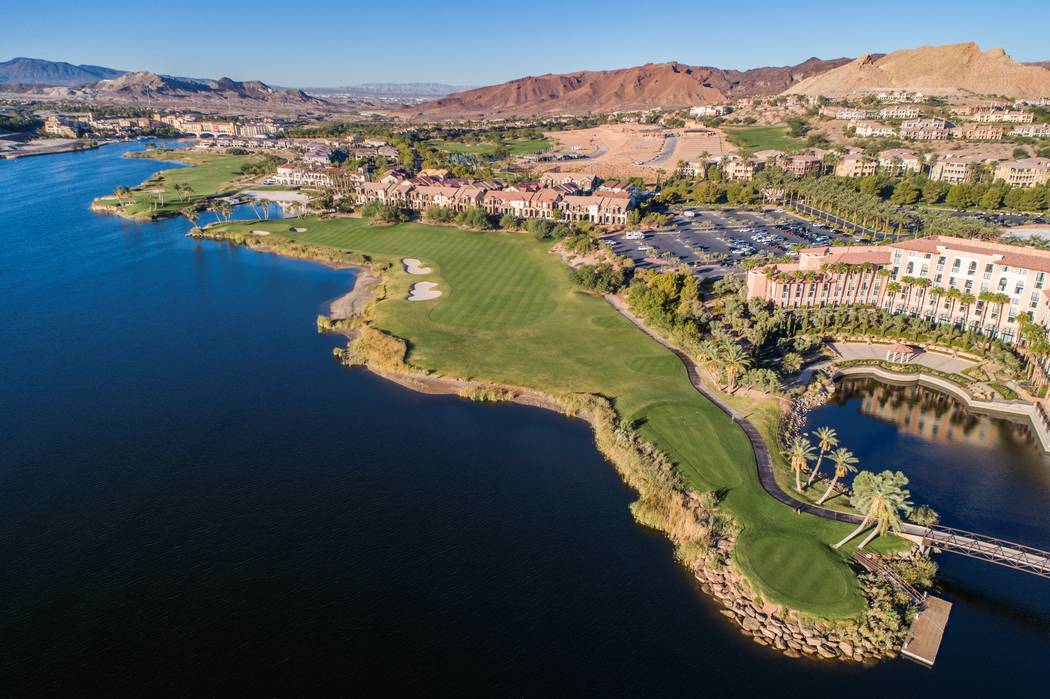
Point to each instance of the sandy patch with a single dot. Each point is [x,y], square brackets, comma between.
[423,291]
[260,232]
[353,303]
[611,150]
[414,266]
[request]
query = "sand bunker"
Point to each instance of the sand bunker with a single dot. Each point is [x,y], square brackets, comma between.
[258,232]
[296,229]
[414,266]
[423,291]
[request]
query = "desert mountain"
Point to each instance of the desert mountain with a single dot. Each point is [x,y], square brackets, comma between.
[36,71]
[666,85]
[954,68]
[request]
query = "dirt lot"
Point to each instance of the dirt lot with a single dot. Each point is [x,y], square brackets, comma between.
[626,150]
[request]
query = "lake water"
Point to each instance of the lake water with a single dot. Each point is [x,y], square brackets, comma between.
[196,499]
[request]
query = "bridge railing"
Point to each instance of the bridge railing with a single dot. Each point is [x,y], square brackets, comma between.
[988,548]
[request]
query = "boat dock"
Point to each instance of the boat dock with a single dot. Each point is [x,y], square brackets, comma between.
[924,637]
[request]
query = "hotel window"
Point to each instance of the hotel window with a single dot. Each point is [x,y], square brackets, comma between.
[924,271]
[940,263]
[988,271]
[938,278]
[1034,301]
[1039,278]
[1019,288]
[896,256]
[910,268]
[1002,285]
[955,265]
[969,285]
[973,268]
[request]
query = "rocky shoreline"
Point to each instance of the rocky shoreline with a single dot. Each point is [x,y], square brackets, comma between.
[767,624]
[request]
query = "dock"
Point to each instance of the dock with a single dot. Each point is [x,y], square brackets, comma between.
[924,637]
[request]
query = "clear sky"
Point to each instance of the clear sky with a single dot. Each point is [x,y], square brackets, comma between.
[464,42]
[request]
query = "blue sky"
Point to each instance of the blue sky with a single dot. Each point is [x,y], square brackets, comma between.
[326,43]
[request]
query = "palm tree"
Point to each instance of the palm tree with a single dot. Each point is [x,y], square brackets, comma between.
[799,453]
[827,440]
[883,498]
[191,215]
[843,459]
[735,361]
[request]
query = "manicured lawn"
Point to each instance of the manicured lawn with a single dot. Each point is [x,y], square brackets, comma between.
[516,147]
[755,138]
[210,174]
[510,314]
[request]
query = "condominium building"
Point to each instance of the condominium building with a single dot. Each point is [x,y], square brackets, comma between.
[900,161]
[872,129]
[848,113]
[862,275]
[1002,116]
[802,165]
[737,168]
[1032,130]
[900,111]
[1029,172]
[979,132]
[931,129]
[954,168]
[856,165]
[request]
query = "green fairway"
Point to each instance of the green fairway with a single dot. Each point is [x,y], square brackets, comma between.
[510,314]
[756,138]
[210,174]
[516,147]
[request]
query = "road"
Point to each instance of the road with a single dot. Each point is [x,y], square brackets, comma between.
[670,143]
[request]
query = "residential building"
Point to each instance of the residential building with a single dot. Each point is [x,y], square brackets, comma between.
[1032,130]
[900,160]
[610,208]
[802,165]
[954,168]
[584,180]
[929,129]
[710,110]
[872,129]
[1029,172]
[737,168]
[851,275]
[64,126]
[856,165]
[900,111]
[1002,116]
[848,113]
[978,132]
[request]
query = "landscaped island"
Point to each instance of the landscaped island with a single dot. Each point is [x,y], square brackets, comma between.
[510,324]
[169,192]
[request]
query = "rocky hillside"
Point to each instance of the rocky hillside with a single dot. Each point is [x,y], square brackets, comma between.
[659,85]
[36,71]
[941,70]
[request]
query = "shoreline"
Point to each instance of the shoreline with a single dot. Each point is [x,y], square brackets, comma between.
[767,624]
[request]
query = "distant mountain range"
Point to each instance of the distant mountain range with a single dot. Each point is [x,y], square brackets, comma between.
[389,90]
[654,85]
[36,71]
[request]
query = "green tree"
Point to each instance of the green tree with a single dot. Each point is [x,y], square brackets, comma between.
[844,462]
[883,499]
[827,439]
[799,453]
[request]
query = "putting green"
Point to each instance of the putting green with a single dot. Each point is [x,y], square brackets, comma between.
[803,574]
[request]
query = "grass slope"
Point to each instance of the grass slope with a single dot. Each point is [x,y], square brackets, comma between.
[510,314]
[756,138]
[209,174]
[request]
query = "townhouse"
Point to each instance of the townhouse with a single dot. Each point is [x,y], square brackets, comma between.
[900,111]
[1029,172]
[872,129]
[978,132]
[333,178]
[736,168]
[899,161]
[803,165]
[954,168]
[1032,130]
[856,165]
[929,129]
[1002,116]
[862,276]
[848,113]
[530,200]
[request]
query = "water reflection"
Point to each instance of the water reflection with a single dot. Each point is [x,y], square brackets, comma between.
[980,472]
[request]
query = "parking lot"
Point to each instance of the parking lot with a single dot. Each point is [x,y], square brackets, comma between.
[713,242]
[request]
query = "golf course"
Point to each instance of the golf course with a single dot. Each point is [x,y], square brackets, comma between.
[169,191]
[509,314]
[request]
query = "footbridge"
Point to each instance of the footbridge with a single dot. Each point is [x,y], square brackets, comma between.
[1026,559]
